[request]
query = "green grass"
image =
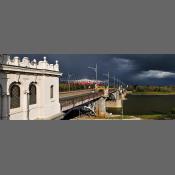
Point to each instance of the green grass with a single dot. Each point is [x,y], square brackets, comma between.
[153,93]
[152,117]
[120,117]
[145,117]
[157,117]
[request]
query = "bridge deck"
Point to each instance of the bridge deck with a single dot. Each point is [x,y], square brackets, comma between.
[71,101]
[75,93]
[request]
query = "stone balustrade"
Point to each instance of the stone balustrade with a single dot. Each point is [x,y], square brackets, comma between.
[27,63]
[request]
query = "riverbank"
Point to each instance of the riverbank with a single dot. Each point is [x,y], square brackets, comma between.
[112,117]
[127,117]
[153,93]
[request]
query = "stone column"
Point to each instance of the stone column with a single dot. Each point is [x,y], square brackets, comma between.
[25,101]
[100,107]
[1,106]
[6,107]
[118,100]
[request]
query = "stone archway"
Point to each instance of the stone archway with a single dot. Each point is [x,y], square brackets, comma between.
[112,96]
[1,107]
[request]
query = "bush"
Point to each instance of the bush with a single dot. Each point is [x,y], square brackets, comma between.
[171,115]
[173,111]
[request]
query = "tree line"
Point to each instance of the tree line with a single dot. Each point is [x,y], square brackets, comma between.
[149,88]
[74,86]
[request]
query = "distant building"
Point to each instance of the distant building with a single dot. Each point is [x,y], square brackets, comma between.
[28,90]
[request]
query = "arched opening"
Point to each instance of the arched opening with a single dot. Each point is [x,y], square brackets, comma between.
[51,91]
[111,97]
[14,96]
[32,94]
[1,102]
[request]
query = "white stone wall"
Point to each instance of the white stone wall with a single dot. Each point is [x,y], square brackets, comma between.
[24,72]
[26,63]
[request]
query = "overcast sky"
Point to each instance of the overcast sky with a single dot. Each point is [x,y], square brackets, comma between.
[147,69]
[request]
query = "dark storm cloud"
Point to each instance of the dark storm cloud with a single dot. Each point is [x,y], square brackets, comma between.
[131,68]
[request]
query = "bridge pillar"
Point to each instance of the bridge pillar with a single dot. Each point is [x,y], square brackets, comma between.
[118,100]
[100,107]
[123,95]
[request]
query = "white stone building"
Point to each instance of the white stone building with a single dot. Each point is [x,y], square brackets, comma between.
[29,90]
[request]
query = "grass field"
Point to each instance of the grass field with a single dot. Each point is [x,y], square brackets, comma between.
[119,117]
[145,117]
[153,93]
[157,117]
[151,117]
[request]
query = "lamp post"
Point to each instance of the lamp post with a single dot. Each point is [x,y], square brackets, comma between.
[114,82]
[122,109]
[69,76]
[117,82]
[108,78]
[96,72]
[120,84]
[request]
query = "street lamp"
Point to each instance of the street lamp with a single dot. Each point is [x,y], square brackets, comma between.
[120,84]
[114,81]
[117,82]
[122,109]
[68,79]
[96,71]
[108,78]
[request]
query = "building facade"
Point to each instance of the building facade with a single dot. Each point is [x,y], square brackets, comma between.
[29,90]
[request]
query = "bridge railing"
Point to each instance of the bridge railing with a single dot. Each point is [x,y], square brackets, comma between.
[73,101]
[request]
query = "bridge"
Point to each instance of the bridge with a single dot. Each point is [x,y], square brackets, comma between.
[70,102]
[22,96]
[95,99]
